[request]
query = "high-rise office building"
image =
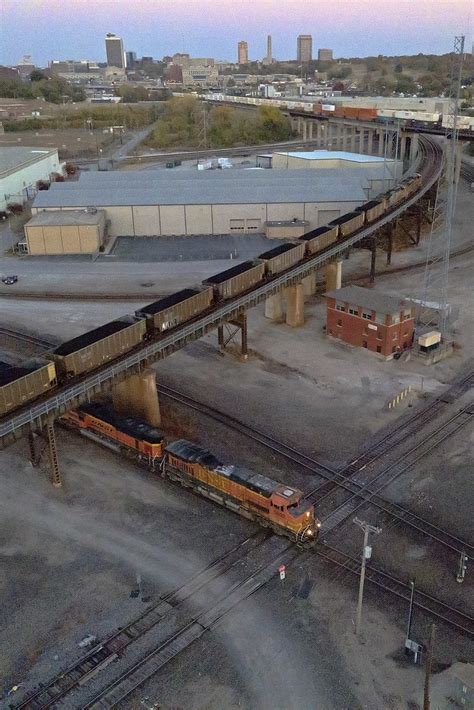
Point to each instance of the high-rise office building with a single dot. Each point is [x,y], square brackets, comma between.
[325,55]
[114,51]
[242,52]
[304,48]
[130,59]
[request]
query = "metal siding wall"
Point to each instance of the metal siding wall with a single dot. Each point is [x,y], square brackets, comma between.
[285,211]
[172,220]
[146,220]
[121,221]
[198,219]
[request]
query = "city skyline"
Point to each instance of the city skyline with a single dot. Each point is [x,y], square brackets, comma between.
[160,27]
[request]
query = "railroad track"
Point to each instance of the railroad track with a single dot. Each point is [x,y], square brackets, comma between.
[334,479]
[27,338]
[467,172]
[104,653]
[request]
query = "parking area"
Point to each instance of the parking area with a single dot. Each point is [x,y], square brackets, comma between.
[198,248]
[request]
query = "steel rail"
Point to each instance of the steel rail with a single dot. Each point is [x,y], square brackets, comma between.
[331,475]
[73,394]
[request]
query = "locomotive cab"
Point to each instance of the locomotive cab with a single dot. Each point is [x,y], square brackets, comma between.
[297,514]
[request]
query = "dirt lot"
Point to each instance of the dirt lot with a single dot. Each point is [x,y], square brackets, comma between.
[70,142]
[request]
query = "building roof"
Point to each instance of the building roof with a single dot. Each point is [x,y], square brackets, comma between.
[368,298]
[16,158]
[53,218]
[208,187]
[465,674]
[334,155]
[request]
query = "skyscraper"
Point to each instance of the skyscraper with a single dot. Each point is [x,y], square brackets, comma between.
[114,51]
[304,48]
[242,52]
[269,57]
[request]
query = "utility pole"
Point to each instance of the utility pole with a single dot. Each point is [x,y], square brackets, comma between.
[366,555]
[429,660]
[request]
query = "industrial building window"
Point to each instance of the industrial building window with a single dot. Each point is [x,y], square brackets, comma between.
[379,335]
[339,322]
[367,315]
[394,336]
[340,307]
[396,318]
[353,311]
[379,348]
[364,343]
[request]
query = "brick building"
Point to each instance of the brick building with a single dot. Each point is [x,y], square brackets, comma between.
[370,319]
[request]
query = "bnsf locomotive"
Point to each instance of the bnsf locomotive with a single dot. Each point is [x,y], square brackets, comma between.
[256,497]
[101,346]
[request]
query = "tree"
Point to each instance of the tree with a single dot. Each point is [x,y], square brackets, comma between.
[37,75]
[398,68]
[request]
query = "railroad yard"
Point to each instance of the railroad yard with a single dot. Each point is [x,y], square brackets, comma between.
[116,542]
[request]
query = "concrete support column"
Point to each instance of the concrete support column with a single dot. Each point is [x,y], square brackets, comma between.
[274,307]
[310,130]
[353,140]
[403,147]
[295,305]
[413,146]
[345,136]
[305,130]
[138,396]
[381,141]
[370,138]
[309,284]
[361,139]
[333,276]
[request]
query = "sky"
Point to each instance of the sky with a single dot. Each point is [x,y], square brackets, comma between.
[75,29]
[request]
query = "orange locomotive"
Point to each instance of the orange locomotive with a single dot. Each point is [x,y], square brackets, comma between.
[250,494]
[129,435]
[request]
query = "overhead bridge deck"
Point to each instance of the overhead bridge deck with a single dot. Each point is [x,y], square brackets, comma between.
[35,416]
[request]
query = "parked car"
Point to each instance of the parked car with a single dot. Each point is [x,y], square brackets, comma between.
[9,280]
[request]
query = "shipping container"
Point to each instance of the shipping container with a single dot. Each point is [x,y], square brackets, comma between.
[431,338]
[367,114]
[98,346]
[19,385]
[175,309]
[318,239]
[236,280]
[372,210]
[282,257]
[348,223]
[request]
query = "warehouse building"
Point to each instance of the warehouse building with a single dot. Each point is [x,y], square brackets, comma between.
[21,169]
[165,203]
[66,232]
[369,319]
[325,160]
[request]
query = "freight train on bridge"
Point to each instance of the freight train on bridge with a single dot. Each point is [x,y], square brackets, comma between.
[20,386]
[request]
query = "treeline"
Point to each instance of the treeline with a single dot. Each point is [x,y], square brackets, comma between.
[90,117]
[187,123]
[54,90]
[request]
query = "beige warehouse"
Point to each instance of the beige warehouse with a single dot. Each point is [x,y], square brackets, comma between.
[65,232]
[161,203]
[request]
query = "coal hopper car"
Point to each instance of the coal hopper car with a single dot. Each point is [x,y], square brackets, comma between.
[236,280]
[318,239]
[22,384]
[282,257]
[175,309]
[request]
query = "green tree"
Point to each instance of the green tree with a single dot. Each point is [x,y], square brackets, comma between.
[37,75]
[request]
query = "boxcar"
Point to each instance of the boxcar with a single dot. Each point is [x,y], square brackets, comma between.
[98,346]
[372,210]
[236,280]
[348,223]
[282,257]
[318,239]
[19,385]
[177,308]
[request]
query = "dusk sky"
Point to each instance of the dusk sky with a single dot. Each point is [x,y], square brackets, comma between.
[75,29]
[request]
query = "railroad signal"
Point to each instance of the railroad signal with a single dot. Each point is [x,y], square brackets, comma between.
[282,572]
[366,555]
[462,567]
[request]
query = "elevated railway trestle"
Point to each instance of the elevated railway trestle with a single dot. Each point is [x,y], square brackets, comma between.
[38,416]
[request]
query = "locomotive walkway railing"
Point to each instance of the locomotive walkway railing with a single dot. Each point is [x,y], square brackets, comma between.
[68,396]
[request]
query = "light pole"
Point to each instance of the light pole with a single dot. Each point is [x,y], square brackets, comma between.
[366,555]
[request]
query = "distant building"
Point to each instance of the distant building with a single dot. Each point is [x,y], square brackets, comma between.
[9,73]
[242,52]
[304,52]
[370,319]
[269,56]
[174,74]
[114,51]
[325,55]
[199,75]
[130,59]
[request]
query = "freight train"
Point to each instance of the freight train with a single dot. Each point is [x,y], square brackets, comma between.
[358,113]
[75,358]
[256,497]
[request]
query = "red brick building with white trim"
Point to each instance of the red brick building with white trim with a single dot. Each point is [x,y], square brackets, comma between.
[370,319]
